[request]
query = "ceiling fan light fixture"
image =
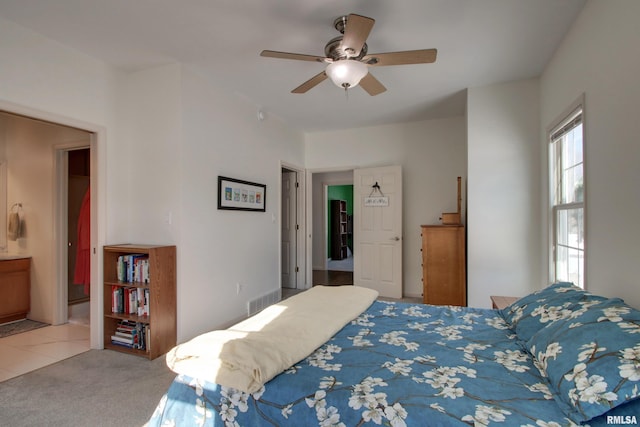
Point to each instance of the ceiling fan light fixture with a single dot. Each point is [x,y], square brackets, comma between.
[346,73]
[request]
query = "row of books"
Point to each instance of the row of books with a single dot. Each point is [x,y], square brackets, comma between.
[132,335]
[133,268]
[130,300]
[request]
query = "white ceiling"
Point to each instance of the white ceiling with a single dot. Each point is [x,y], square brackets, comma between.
[479,42]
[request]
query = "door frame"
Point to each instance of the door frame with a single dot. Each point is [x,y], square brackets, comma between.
[98,178]
[326,219]
[3,205]
[310,216]
[300,241]
[96,306]
[61,205]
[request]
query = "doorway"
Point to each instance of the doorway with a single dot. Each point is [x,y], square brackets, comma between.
[339,201]
[49,284]
[36,148]
[288,230]
[332,266]
[292,230]
[78,234]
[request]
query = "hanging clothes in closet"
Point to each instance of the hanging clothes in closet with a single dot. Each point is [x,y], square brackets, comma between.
[82,273]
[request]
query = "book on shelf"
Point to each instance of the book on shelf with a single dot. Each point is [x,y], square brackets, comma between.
[133,268]
[130,334]
[127,300]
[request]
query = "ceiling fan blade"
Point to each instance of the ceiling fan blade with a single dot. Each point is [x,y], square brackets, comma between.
[423,56]
[372,85]
[356,32]
[311,83]
[296,56]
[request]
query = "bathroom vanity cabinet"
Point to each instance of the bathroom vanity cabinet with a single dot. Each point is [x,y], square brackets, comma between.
[15,288]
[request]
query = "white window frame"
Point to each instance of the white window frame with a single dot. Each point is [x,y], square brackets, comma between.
[561,122]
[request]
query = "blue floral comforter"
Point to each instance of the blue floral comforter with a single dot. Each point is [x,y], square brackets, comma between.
[397,364]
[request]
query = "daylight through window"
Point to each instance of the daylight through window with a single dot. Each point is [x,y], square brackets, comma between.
[567,196]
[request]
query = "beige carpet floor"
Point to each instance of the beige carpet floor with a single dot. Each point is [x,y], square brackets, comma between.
[95,388]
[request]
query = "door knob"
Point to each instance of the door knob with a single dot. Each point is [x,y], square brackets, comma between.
[396,238]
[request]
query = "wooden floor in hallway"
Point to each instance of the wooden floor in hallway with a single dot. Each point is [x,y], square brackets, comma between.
[340,278]
[330,277]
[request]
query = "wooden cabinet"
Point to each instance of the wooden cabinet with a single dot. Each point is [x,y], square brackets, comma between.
[443,265]
[159,293]
[15,289]
[339,229]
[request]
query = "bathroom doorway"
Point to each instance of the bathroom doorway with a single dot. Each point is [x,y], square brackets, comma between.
[37,144]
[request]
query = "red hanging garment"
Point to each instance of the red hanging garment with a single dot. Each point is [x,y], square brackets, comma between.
[82,274]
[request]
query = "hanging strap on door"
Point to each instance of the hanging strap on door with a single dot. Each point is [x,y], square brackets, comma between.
[375,189]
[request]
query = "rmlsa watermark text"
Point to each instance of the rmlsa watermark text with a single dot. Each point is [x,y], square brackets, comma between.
[622,420]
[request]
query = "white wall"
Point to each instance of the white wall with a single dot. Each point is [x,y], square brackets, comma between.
[150,152]
[503,224]
[219,248]
[432,156]
[43,74]
[599,57]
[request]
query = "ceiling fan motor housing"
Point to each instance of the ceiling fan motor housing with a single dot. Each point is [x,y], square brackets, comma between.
[334,51]
[341,23]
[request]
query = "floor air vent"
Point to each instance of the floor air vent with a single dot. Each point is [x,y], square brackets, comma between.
[256,305]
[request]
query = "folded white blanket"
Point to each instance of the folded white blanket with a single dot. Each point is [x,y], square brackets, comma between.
[252,352]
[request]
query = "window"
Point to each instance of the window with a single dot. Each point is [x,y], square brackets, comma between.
[567,198]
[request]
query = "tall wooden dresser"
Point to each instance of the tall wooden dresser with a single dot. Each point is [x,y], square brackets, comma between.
[443,265]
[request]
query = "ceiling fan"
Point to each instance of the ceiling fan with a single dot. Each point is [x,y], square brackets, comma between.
[348,60]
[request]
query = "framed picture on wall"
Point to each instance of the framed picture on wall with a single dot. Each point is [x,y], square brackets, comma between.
[235,194]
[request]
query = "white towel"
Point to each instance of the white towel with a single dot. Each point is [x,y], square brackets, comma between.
[14,227]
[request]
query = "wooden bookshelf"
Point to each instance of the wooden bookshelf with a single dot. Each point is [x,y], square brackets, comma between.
[339,229]
[160,323]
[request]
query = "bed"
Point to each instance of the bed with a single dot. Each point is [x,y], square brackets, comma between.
[557,357]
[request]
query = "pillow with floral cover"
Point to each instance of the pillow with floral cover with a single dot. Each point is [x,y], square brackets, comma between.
[533,312]
[591,357]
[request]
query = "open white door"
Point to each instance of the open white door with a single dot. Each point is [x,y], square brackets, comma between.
[377,234]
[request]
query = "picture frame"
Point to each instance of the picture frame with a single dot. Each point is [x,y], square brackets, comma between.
[239,195]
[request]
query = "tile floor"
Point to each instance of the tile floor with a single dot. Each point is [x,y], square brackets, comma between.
[26,352]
